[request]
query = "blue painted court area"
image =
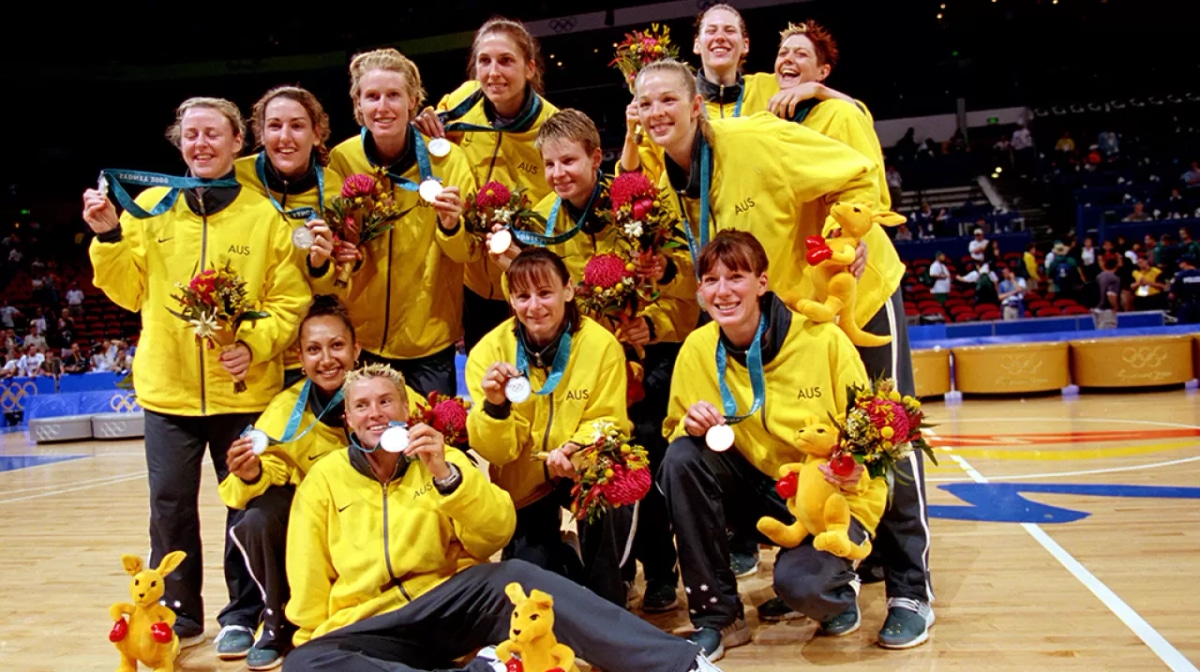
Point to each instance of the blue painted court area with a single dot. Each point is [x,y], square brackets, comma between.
[1005,503]
[14,462]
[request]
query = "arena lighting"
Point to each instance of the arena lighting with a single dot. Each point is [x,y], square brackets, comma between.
[999,169]
[939,16]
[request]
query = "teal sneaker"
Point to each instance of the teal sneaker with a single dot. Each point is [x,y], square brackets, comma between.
[659,598]
[845,623]
[713,642]
[907,624]
[775,610]
[743,564]
[263,659]
[234,642]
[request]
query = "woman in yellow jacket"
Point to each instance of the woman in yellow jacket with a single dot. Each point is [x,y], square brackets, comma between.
[290,170]
[577,371]
[495,117]
[183,385]
[405,298]
[395,571]
[761,370]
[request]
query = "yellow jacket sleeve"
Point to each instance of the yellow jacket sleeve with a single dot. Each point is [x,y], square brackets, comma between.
[459,245]
[607,399]
[311,573]
[119,268]
[286,294]
[677,406]
[499,441]
[237,494]
[483,514]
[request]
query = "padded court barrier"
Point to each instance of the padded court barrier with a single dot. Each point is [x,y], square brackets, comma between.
[119,425]
[931,371]
[61,428]
[1011,368]
[1145,361]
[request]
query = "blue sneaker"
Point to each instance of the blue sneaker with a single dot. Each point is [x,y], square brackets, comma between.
[263,659]
[234,642]
[713,642]
[845,623]
[743,564]
[659,598]
[907,624]
[775,610]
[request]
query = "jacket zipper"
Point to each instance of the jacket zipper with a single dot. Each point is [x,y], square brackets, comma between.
[387,556]
[387,307]
[721,100]
[549,424]
[203,264]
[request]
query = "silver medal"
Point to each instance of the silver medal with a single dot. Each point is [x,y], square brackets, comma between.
[303,238]
[429,189]
[439,147]
[258,441]
[518,389]
[719,438]
[395,439]
[102,184]
[500,242]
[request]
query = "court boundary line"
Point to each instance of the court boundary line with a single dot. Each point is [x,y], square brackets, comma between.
[1086,472]
[113,481]
[1158,644]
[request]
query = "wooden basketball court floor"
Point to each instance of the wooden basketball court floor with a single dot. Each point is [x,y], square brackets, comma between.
[1066,535]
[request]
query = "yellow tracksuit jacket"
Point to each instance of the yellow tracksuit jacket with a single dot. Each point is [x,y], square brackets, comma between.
[674,314]
[592,388]
[406,298]
[506,157]
[368,547]
[808,376]
[173,372]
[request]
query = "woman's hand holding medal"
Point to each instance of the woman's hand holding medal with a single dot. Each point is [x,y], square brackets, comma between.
[449,205]
[503,382]
[99,212]
[241,459]
[496,241]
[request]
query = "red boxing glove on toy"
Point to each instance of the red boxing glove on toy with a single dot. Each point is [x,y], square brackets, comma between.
[786,486]
[119,630]
[161,632]
[514,665]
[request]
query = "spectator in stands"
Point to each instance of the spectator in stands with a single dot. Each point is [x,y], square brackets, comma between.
[1023,152]
[37,268]
[1065,275]
[39,322]
[957,144]
[1191,179]
[66,327]
[1147,290]
[1089,261]
[12,342]
[939,273]
[53,366]
[943,223]
[1012,294]
[903,233]
[1109,144]
[8,314]
[906,147]
[76,361]
[35,337]
[31,362]
[978,247]
[1138,214]
[923,220]
[1187,244]
[1033,273]
[895,186]
[1166,254]
[15,257]
[984,279]
[1109,284]
[11,367]
[1003,151]
[75,300]
[1065,144]
[123,362]
[1185,291]
[100,361]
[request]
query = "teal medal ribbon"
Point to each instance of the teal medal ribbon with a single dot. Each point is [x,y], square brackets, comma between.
[694,245]
[423,165]
[307,213]
[535,240]
[118,177]
[754,365]
[452,125]
[558,367]
[293,424]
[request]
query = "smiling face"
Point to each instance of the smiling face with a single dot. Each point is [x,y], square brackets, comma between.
[540,302]
[731,295]
[384,105]
[796,62]
[570,169]
[372,403]
[665,110]
[288,136]
[208,142]
[327,351]
[721,42]
[502,70]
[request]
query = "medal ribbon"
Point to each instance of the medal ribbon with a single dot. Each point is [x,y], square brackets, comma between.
[423,165]
[176,184]
[694,246]
[307,212]
[754,365]
[451,124]
[556,369]
[533,239]
[289,433]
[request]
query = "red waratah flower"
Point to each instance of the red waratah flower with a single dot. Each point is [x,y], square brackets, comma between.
[449,417]
[493,195]
[604,271]
[628,186]
[627,486]
[358,184]
[204,284]
[887,413]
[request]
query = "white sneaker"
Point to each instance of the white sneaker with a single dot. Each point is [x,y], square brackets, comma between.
[703,665]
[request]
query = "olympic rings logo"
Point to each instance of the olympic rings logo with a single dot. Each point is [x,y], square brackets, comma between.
[563,25]
[11,395]
[123,403]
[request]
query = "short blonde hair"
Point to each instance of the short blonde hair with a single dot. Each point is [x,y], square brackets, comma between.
[368,371]
[569,124]
[386,59]
[226,108]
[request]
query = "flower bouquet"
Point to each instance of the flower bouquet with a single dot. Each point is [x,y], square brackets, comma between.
[447,415]
[639,215]
[215,304]
[611,289]
[610,472]
[495,204]
[880,428]
[363,212]
[641,48]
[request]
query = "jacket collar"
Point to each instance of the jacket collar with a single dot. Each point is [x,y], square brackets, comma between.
[212,199]
[317,400]
[358,460]
[715,93]
[779,322]
[542,358]
[523,115]
[402,165]
[690,183]
[280,184]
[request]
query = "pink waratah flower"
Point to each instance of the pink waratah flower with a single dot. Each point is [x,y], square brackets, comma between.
[493,195]
[628,186]
[358,184]
[604,271]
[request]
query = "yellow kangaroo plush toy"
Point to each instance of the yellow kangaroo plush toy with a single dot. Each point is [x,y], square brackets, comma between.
[531,635]
[835,289]
[818,505]
[148,635]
